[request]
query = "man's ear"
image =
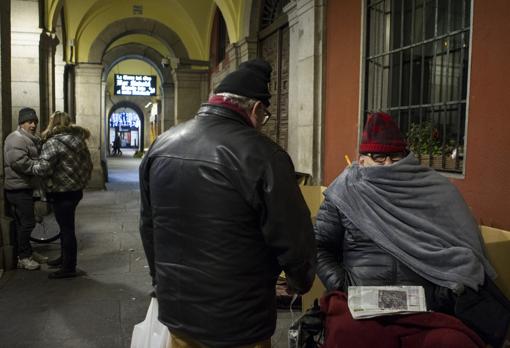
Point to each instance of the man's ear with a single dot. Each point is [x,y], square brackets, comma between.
[254,118]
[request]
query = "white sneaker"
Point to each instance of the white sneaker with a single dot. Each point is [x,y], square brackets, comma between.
[39,257]
[28,264]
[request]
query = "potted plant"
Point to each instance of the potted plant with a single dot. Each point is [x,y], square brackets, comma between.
[425,142]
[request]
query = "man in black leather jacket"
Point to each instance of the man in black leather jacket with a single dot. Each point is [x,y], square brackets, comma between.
[387,220]
[222,216]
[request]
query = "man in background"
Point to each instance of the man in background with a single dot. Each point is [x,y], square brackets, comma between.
[222,216]
[20,147]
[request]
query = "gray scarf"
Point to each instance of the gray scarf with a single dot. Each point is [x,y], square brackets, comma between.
[418,216]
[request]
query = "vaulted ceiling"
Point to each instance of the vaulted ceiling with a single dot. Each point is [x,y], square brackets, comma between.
[179,28]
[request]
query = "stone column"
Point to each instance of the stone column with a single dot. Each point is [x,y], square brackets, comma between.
[5,83]
[246,49]
[306,23]
[88,114]
[103,153]
[191,90]
[48,45]
[25,37]
[69,90]
[59,73]
[59,85]
[168,104]
[6,247]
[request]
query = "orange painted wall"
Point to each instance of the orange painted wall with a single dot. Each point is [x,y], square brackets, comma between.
[343,34]
[486,184]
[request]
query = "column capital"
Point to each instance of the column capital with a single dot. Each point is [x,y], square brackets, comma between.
[246,48]
[88,69]
[297,8]
[188,74]
[49,40]
[24,37]
[290,10]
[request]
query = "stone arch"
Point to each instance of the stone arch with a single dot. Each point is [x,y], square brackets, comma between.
[153,58]
[53,13]
[138,110]
[136,51]
[128,26]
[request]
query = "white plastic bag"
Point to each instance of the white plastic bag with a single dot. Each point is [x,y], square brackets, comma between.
[150,333]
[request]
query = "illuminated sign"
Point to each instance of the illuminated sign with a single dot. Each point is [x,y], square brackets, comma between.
[125,121]
[135,84]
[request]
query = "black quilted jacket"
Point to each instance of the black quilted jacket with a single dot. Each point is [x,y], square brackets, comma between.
[346,256]
[221,216]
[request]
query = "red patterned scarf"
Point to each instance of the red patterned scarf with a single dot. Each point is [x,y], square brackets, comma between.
[223,101]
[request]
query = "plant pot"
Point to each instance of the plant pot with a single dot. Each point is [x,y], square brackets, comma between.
[436,162]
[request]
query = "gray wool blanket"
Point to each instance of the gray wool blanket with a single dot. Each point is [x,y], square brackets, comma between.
[418,216]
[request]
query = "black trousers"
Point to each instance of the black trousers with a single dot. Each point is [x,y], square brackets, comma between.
[22,206]
[64,206]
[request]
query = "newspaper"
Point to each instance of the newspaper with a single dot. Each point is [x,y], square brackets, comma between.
[372,301]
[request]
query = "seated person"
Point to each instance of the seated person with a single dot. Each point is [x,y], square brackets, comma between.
[387,220]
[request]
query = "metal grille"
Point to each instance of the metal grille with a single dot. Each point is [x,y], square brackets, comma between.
[271,10]
[416,67]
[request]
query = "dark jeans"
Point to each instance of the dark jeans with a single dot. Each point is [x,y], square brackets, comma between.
[64,205]
[22,206]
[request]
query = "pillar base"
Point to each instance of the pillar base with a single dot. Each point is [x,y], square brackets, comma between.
[97,181]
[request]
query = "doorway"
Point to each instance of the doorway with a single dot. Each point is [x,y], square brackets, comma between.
[124,123]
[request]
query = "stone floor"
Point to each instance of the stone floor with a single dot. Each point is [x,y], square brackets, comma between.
[100,308]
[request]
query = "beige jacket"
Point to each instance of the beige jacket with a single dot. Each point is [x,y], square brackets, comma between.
[20,148]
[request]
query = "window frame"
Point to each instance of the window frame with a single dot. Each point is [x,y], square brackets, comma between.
[441,107]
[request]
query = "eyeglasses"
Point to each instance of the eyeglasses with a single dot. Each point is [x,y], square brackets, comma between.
[267,116]
[381,157]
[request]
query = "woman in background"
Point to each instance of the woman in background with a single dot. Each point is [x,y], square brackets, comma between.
[66,167]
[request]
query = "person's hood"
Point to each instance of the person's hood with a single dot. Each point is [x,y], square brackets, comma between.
[72,136]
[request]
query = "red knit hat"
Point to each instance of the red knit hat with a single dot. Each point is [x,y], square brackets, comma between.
[381,135]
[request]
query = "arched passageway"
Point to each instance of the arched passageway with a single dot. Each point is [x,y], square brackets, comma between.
[126,120]
[125,124]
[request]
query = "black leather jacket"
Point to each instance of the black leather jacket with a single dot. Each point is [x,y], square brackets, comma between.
[221,216]
[346,256]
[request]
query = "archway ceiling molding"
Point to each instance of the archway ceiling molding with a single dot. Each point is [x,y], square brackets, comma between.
[132,26]
[136,51]
[52,10]
[191,20]
[142,39]
[126,104]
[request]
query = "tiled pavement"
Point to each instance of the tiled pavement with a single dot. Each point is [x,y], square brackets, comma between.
[100,308]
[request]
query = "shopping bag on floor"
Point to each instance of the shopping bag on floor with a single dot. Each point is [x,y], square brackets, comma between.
[150,333]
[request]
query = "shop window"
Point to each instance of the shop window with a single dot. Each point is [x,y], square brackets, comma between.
[416,69]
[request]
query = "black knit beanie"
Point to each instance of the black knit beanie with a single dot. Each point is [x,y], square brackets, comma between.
[249,80]
[27,114]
